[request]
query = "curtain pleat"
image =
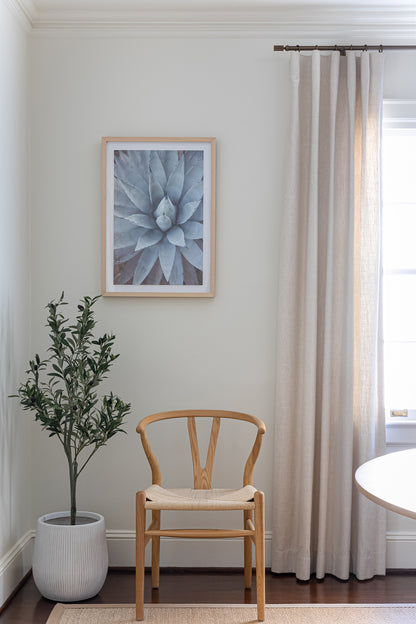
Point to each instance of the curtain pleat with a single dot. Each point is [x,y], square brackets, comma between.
[329,415]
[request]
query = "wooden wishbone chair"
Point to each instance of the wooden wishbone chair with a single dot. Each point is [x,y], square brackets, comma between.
[201,497]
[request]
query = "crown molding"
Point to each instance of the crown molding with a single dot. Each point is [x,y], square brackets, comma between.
[22,13]
[297,22]
[290,33]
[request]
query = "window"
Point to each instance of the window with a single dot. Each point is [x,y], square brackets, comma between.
[399,260]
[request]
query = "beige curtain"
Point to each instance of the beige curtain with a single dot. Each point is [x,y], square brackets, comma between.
[329,404]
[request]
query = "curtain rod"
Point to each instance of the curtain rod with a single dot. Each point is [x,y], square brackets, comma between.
[342,48]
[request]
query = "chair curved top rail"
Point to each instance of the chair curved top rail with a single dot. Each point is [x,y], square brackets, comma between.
[202,476]
[147,420]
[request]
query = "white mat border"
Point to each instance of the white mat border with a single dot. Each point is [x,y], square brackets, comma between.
[59,608]
[202,605]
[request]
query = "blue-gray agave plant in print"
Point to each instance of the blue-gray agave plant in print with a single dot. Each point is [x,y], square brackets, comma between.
[158,217]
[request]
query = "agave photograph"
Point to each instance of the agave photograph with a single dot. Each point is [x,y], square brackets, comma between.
[159,209]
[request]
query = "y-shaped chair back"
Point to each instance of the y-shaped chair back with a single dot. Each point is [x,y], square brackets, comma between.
[202,476]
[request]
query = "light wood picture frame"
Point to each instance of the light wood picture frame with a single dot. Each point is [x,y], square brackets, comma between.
[158,217]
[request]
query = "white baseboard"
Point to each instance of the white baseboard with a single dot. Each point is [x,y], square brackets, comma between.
[15,564]
[175,552]
[401,550]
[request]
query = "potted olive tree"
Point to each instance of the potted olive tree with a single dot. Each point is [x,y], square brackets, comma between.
[70,556]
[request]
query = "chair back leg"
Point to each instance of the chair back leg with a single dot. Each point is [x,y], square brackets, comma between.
[155,551]
[248,561]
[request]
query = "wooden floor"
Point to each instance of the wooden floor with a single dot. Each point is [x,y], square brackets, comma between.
[180,586]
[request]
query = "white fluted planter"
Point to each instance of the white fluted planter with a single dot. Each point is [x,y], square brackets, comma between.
[70,562]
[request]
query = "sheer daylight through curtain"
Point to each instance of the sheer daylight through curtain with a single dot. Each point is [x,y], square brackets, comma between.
[329,405]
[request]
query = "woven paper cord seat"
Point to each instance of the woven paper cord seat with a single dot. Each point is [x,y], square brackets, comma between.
[188,498]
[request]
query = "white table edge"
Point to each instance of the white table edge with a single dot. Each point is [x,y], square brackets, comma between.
[379,501]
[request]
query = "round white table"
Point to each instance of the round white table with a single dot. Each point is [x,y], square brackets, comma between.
[389,481]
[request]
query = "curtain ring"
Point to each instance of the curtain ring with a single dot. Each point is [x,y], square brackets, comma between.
[298,48]
[380,49]
[365,48]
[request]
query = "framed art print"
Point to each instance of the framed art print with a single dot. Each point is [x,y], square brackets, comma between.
[158,217]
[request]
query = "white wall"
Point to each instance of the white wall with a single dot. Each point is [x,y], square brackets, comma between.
[180,353]
[174,353]
[399,69]
[15,266]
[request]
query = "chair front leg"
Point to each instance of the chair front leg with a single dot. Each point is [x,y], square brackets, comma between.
[260,559]
[155,550]
[248,565]
[140,548]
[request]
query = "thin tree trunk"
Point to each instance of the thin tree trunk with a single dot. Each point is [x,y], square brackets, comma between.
[73,488]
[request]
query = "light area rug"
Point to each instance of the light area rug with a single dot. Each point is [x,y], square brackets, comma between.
[235,614]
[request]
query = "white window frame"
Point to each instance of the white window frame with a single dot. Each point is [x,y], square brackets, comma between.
[400,114]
